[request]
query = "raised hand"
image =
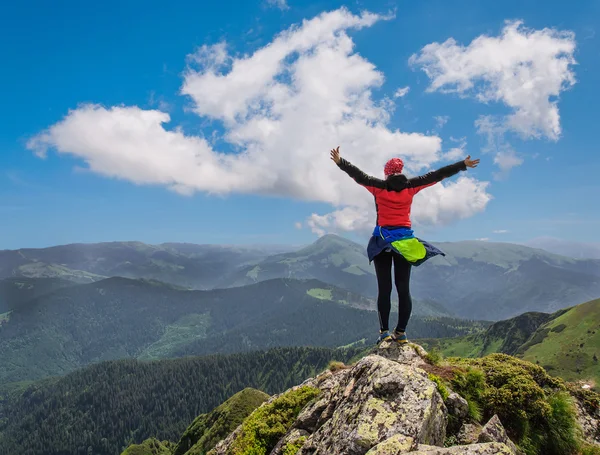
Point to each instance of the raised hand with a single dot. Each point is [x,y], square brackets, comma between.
[469,162]
[335,155]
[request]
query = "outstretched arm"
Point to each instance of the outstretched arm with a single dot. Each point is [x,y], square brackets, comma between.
[359,176]
[433,177]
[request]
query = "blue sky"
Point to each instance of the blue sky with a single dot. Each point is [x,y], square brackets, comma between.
[62,56]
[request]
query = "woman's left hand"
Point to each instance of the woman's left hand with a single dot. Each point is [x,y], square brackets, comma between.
[335,155]
[471,163]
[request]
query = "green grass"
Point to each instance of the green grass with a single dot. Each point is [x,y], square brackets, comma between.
[186,330]
[467,346]
[492,347]
[321,294]
[569,343]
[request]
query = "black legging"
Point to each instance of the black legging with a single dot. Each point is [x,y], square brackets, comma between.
[383,270]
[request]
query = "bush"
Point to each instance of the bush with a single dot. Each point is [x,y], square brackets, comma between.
[292,447]
[534,407]
[265,426]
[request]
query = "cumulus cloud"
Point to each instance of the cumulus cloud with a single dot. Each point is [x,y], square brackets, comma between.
[500,231]
[524,69]
[281,108]
[401,92]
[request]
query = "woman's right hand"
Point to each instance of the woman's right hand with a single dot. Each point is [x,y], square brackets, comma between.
[335,155]
[469,162]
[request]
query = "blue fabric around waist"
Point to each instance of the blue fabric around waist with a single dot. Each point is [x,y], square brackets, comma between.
[383,237]
[393,234]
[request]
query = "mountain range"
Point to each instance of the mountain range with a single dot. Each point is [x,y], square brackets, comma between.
[74,325]
[475,280]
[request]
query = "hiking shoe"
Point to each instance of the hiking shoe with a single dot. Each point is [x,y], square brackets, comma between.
[384,336]
[400,337]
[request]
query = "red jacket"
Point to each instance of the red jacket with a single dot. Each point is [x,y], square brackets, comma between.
[394,195]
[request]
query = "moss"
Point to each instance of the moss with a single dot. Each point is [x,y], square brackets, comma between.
[292,447]
[440,386]
[533,406]
[265,426]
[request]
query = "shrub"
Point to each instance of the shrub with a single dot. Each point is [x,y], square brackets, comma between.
[292,447]
[265,426]
[533,406]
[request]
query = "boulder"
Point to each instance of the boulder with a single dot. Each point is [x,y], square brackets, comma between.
[457,406]
[493,431]
[469,433]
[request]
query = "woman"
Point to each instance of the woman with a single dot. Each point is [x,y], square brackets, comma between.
[393,240]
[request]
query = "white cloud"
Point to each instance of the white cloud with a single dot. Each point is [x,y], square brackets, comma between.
[506,160]
[282,109]
[483,239]
[298,225]
[524,69]
[500,231]
[401,92]
[281,4]
[441,120]
[458,152]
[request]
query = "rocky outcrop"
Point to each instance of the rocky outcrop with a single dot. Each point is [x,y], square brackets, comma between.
[389,403]
[374,401]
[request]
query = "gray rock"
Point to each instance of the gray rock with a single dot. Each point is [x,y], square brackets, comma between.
[469,433]
[405,354]
[293,438]
[457,406]
[377,400]
[589,423]
[493,431]
[395,445]
[490,448]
